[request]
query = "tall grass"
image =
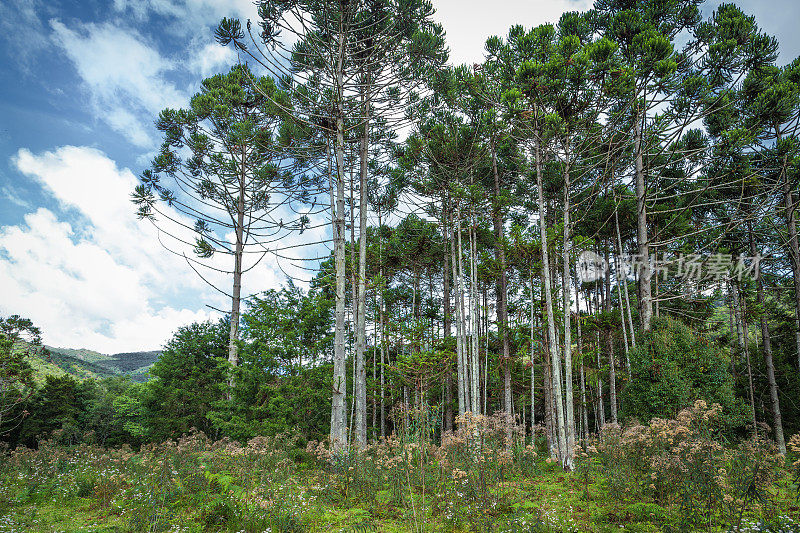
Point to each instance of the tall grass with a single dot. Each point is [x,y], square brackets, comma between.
[677,475]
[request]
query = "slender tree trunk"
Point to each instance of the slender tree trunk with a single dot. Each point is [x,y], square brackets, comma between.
[767,342]
[612,363]
[624,280]
[233,345]
[475,322]
[733,327]
[600,414]
[486,353]
[741,334]
[502,292]
[338,413]
[383,365]
[584,414]
[382,337]
[236,297]
[622,318]
[601,408]
[361,334]
[375,336]
[612,378]
[645,297]
[457,274]
[352,356]
[448,409]
[549,404]
[560,428]
[566,293]
[533,360]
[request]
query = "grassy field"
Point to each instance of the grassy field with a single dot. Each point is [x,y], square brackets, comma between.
[474,480]
[85,489]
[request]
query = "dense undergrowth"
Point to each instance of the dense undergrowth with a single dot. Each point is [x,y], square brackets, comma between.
[671,475]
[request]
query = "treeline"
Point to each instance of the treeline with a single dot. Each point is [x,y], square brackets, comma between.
[282,386]
[596,222]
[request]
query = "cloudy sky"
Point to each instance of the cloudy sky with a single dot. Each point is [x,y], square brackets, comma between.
[80,85]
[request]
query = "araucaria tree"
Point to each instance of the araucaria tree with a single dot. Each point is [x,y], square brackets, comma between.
[353,63]
[220,178]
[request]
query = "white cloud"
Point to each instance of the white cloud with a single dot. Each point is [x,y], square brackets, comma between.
[469,23]
[103,287]
[18,14]
[125,76]
[86,180]
[129,125]
[189,15]
[79,293]
[102,280]
[13,196]
[212,58]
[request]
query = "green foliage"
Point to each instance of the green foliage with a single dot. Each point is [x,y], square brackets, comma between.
[265,403]
[684,468]
[280,384]
[286,328]
[60,405]
[18,337]
[188,379]
[671,367]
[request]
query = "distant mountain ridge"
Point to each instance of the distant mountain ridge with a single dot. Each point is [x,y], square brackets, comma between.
[86,364]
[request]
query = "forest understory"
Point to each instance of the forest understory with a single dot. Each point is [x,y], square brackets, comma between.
[672,475]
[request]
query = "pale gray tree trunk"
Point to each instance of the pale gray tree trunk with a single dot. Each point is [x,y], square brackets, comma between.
[338,434]
[612,378]
[502,294]
[533,366]
[584,413]
[485,353]
[465,336]
[448,410]
[622,317]
[741,334]
[627,304]
[361,378]
[558,400]
[645,295]
[612,368]
[457,275]
[600,410]
[549,405]
[233,342]
[236,297]
[566,293]
[474,366]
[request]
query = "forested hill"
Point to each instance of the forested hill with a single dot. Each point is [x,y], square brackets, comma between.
[83,363]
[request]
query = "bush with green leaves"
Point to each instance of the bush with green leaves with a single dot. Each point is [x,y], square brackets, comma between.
[188,379]
[671,367]
[684,465]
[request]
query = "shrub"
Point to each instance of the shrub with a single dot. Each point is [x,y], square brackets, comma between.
[682,465]
[673,366]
